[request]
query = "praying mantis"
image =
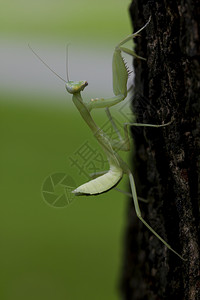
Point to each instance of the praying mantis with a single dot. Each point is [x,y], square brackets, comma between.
[106,180]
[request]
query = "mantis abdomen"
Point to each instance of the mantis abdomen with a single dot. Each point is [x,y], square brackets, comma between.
[100,184]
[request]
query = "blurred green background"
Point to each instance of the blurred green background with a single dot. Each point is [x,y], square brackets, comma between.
[73,251]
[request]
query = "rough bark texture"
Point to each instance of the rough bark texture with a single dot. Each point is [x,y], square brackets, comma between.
[166,164]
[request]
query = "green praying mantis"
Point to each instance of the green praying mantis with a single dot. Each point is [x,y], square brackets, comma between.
[106,180]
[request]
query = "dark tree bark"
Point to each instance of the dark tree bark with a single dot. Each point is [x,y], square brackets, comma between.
[166,164]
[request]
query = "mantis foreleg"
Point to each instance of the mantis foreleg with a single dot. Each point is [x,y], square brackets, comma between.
[120,75]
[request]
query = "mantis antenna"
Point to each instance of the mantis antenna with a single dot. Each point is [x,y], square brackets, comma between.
[47,65]
[67,61]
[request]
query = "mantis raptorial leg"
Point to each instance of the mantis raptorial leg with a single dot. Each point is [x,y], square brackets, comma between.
[109,179]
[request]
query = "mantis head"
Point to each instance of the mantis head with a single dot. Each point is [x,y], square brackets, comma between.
[75,86]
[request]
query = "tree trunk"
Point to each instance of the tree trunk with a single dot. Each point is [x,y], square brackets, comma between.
[166,160]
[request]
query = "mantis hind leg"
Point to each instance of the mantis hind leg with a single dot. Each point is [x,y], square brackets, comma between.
[97,174]
[123,143]
[138,212]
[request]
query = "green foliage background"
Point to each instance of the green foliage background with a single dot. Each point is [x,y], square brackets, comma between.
[48,253]
[86,19]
